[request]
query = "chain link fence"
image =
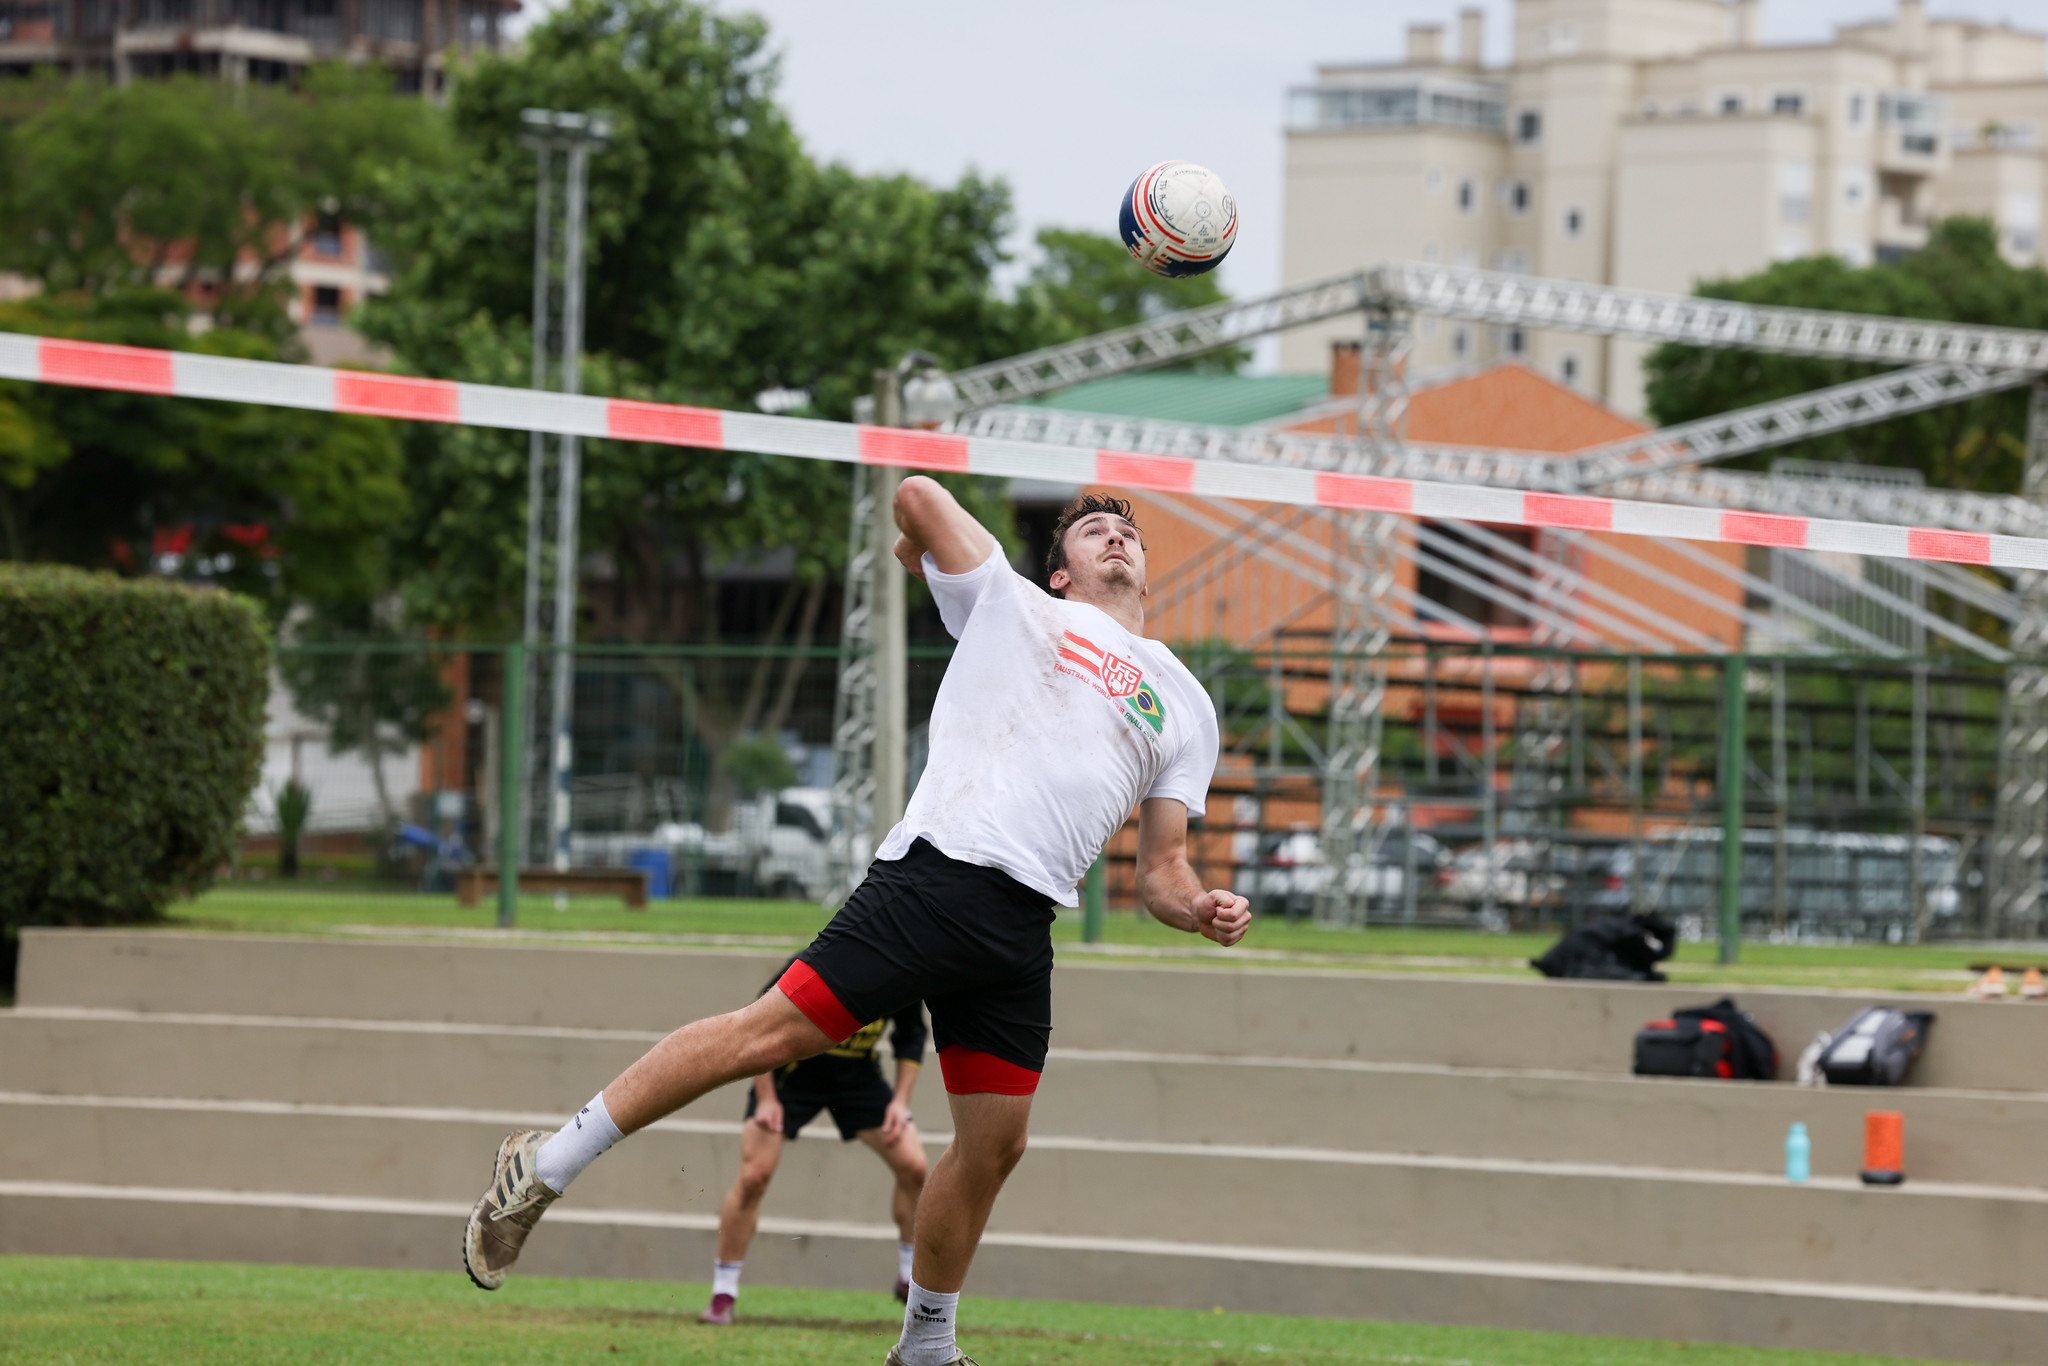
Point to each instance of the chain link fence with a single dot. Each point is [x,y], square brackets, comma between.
[1517,789]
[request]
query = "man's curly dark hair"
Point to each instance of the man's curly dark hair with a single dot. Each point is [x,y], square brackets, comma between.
[1088,506]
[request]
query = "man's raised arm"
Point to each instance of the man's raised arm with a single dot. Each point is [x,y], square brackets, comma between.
[1166,882]
[933,521]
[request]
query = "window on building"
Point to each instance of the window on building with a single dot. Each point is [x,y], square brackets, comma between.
[1461,343]
[1856,109]
[1468,195]
[1433,178]
[1795,191]
[1517,196]
[1730,103]
[1568,368]
[1528,125]
[1469,575]
[1516,342]
[327,234]
[326,306]
[1574,221]
[1855,185]
[1511,261]
[1788,102]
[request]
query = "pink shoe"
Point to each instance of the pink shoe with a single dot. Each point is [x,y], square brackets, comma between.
[720,1313]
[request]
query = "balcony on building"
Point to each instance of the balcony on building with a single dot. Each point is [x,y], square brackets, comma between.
[1399,99]
[1910,137]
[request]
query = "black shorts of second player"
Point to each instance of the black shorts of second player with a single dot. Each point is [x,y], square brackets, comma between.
[857,1106]
[974,943]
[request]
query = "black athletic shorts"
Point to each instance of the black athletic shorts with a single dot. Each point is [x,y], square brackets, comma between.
[855,1105]
[974,943]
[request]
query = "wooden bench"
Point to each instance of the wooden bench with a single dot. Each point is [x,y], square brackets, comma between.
[472,885]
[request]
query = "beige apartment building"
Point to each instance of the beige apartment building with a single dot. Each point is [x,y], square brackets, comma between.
[1652,144]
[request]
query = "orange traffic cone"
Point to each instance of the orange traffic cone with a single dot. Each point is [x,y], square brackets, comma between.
[1884,1148]
[2032,988]
[1991,986]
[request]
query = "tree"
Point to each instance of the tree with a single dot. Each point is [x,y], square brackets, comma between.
[201,186]
[280,504]
[164,214]
[1084,283]
[721,260]
[1959,276]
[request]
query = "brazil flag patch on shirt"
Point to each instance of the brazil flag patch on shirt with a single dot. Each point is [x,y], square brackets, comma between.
[1145,702]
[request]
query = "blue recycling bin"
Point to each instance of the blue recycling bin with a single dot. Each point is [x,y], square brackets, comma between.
[655,863]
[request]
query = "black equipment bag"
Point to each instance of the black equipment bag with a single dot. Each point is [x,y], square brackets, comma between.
[1622,948]
[1717,1040]
[1876,1048]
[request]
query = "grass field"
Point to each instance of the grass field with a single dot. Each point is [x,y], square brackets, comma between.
[66,1310]
[271,909]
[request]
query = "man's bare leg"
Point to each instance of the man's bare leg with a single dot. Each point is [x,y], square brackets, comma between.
[740,1215]
[906,1160]
[534,1167]
[905,1156]
[988,1141]
[707,1054]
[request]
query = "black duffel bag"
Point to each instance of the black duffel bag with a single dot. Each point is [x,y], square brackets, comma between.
[1876,1048]
[1706,1041]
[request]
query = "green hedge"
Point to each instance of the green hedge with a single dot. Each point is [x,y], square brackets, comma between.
[131,734]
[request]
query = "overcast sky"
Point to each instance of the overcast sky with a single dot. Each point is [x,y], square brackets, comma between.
[1069,99]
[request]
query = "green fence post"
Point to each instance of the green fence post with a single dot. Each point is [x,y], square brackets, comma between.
[1094,902]
[511,781]
[1734,752]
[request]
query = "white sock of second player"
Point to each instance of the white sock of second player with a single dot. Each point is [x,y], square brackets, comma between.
[905,1254]
[725,1278]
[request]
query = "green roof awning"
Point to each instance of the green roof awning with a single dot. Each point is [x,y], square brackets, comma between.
[1220,400]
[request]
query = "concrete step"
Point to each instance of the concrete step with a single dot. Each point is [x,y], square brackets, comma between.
[1245,1012]
[107,1220]
[1952,1136]
[1977,1239]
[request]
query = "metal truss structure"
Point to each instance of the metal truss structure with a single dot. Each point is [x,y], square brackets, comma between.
[2019,832]
[1938,364]
[853,704]
[1361,625]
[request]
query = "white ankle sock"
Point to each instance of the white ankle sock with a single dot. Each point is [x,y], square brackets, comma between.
[905,1254]
[725,1278]
[576,1145]
[928,1328]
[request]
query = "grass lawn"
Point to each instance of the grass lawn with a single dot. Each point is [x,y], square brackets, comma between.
[66,1310]
[273,909]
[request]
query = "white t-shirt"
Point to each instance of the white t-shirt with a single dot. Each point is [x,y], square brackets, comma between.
[1051,724]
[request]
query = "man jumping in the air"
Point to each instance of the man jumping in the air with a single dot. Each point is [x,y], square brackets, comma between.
[1056,716]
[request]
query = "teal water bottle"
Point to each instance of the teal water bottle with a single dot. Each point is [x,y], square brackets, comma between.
[1798,1154]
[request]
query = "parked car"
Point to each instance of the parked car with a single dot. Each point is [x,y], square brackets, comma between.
[778,846]
[1288,870]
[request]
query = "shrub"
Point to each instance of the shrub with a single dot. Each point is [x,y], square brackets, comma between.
[131,734]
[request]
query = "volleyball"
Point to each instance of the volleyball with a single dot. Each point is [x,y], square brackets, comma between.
[1178,219]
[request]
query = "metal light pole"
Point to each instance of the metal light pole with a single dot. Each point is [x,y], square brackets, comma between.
[870,728]
[557,355]
[891,669]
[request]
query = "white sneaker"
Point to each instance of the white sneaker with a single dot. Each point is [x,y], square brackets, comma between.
[508,1210]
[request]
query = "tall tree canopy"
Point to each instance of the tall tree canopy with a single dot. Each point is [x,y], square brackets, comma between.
[200,186]
[1959,276]
[163,214]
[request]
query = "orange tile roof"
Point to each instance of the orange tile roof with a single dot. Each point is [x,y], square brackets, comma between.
[1510,407]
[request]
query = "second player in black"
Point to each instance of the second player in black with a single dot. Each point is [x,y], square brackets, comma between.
[846,1081]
